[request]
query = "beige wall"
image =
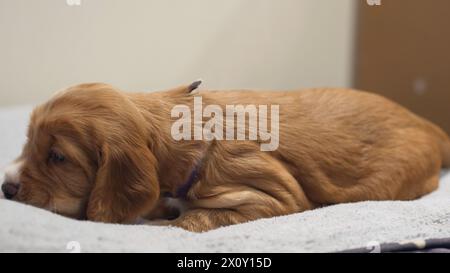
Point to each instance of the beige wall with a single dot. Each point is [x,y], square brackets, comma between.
[46,45]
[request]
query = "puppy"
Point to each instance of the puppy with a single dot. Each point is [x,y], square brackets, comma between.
[96,153]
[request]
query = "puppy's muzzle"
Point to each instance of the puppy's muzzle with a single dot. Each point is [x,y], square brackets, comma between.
[11,183]
[10,189]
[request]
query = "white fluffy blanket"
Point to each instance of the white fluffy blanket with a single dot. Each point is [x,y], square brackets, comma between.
[339,227]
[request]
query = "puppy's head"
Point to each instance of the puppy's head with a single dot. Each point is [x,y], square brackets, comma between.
[86,156]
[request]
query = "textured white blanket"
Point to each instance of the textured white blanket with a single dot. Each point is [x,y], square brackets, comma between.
[25,228]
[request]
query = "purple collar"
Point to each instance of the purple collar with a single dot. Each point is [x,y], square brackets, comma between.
[194,176]
[182,191]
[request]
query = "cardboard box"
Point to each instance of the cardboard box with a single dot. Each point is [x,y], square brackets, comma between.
[403,53]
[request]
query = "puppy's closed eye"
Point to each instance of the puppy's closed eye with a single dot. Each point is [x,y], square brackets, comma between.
[56,157]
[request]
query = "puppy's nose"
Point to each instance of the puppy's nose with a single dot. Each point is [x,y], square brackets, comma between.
[10,189]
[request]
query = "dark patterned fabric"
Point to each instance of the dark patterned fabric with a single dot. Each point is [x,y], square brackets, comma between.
[420,246]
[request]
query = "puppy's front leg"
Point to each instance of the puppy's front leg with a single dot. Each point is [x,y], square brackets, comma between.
[200,220]
[261,188]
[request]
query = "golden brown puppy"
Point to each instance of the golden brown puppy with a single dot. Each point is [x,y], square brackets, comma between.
[97,153]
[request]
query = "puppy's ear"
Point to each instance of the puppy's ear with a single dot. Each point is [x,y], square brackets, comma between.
[126,186]
[186,89]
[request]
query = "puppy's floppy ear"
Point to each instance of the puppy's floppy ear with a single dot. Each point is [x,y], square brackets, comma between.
[126,186]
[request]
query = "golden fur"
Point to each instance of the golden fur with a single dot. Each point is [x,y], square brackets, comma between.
[335,146]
